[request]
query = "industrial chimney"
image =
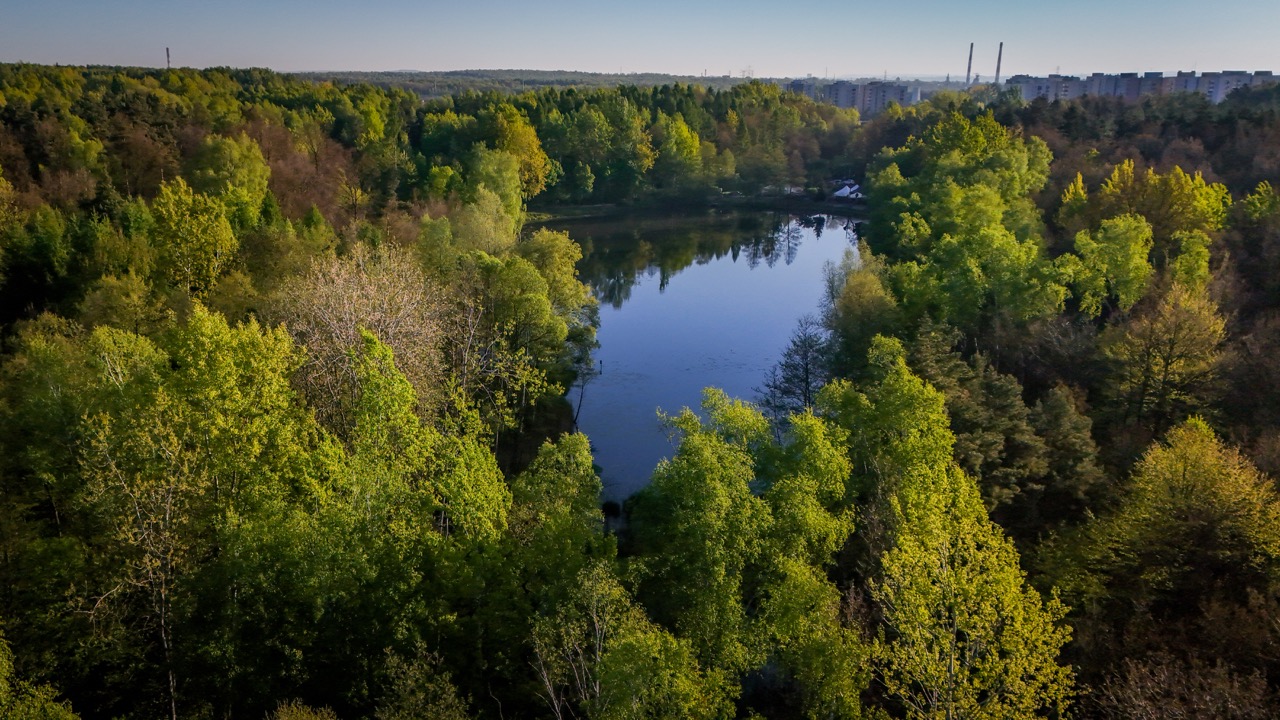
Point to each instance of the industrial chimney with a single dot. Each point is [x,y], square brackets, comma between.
[968,72]
[999,58]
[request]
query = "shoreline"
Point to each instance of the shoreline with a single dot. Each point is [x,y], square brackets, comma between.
[798,205]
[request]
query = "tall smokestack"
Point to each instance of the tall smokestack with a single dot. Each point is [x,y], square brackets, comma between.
[999,58]
[168,66]
[968,72]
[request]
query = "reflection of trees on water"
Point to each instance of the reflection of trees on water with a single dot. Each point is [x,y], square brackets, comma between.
[816,223]
[616,260]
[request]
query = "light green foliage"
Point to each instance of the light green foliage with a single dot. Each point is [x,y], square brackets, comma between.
[8,209]
[387,431]
[763,166]
[560,487]
[1165,361]
[20,700]
[807,493]
[191,441]
[898,422]
[442,181]
[122,250]
[225,412]
[505,334]
[717,165]
[278,250]
[984,152]
[893,199]
[374,110]
[556,531]
[435,249]
[48,388]
[829,661]
[581,141]
[192,237]
[599,655]
[964,635]
[402,461]
[1171,202]
[233,170]
[1072,217]
[989,273]
[679,152]
[556,256]
[37,249]
[812,519]
[861,308]
[956,204]
[739,573]
[1262,203]
[1195,517]
[234,296]
[497,172]
[962,176]
[483,224]
[1113,264]
[555,511]
[513,134]
[706,526]
[447,135]
[518,305]
[1120,191]
[236,383]
[472,489]
[1190,267]
[630,153]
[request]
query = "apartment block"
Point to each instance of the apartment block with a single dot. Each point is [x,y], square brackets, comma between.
[1215,86]
[870,98]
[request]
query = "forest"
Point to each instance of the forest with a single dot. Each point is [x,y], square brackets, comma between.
[283,430]
[439,84]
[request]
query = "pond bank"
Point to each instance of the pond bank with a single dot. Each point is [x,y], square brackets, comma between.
[798,205]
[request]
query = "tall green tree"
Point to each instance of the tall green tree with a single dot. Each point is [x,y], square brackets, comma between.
[193,238]
[233,170]
[702,525]
[1165,361]
[1114,264]
[962,634]
[601,656]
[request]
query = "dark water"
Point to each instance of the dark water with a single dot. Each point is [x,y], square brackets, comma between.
[689,302]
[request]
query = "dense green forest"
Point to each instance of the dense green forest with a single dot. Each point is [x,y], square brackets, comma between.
[282,428]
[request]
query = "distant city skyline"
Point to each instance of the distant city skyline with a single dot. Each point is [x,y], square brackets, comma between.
[924,39]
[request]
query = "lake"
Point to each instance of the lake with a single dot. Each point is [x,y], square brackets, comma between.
[688,302]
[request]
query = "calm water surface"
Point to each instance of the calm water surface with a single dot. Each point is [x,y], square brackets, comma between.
[686,303]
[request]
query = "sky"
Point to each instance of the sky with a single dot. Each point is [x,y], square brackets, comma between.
[852,38]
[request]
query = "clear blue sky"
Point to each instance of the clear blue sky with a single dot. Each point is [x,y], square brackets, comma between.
[673,36]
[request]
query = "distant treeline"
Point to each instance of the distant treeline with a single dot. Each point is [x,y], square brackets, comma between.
[435,84]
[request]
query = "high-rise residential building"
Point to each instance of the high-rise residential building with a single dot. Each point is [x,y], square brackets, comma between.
[1215,86]
[876,96]
[843,94]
